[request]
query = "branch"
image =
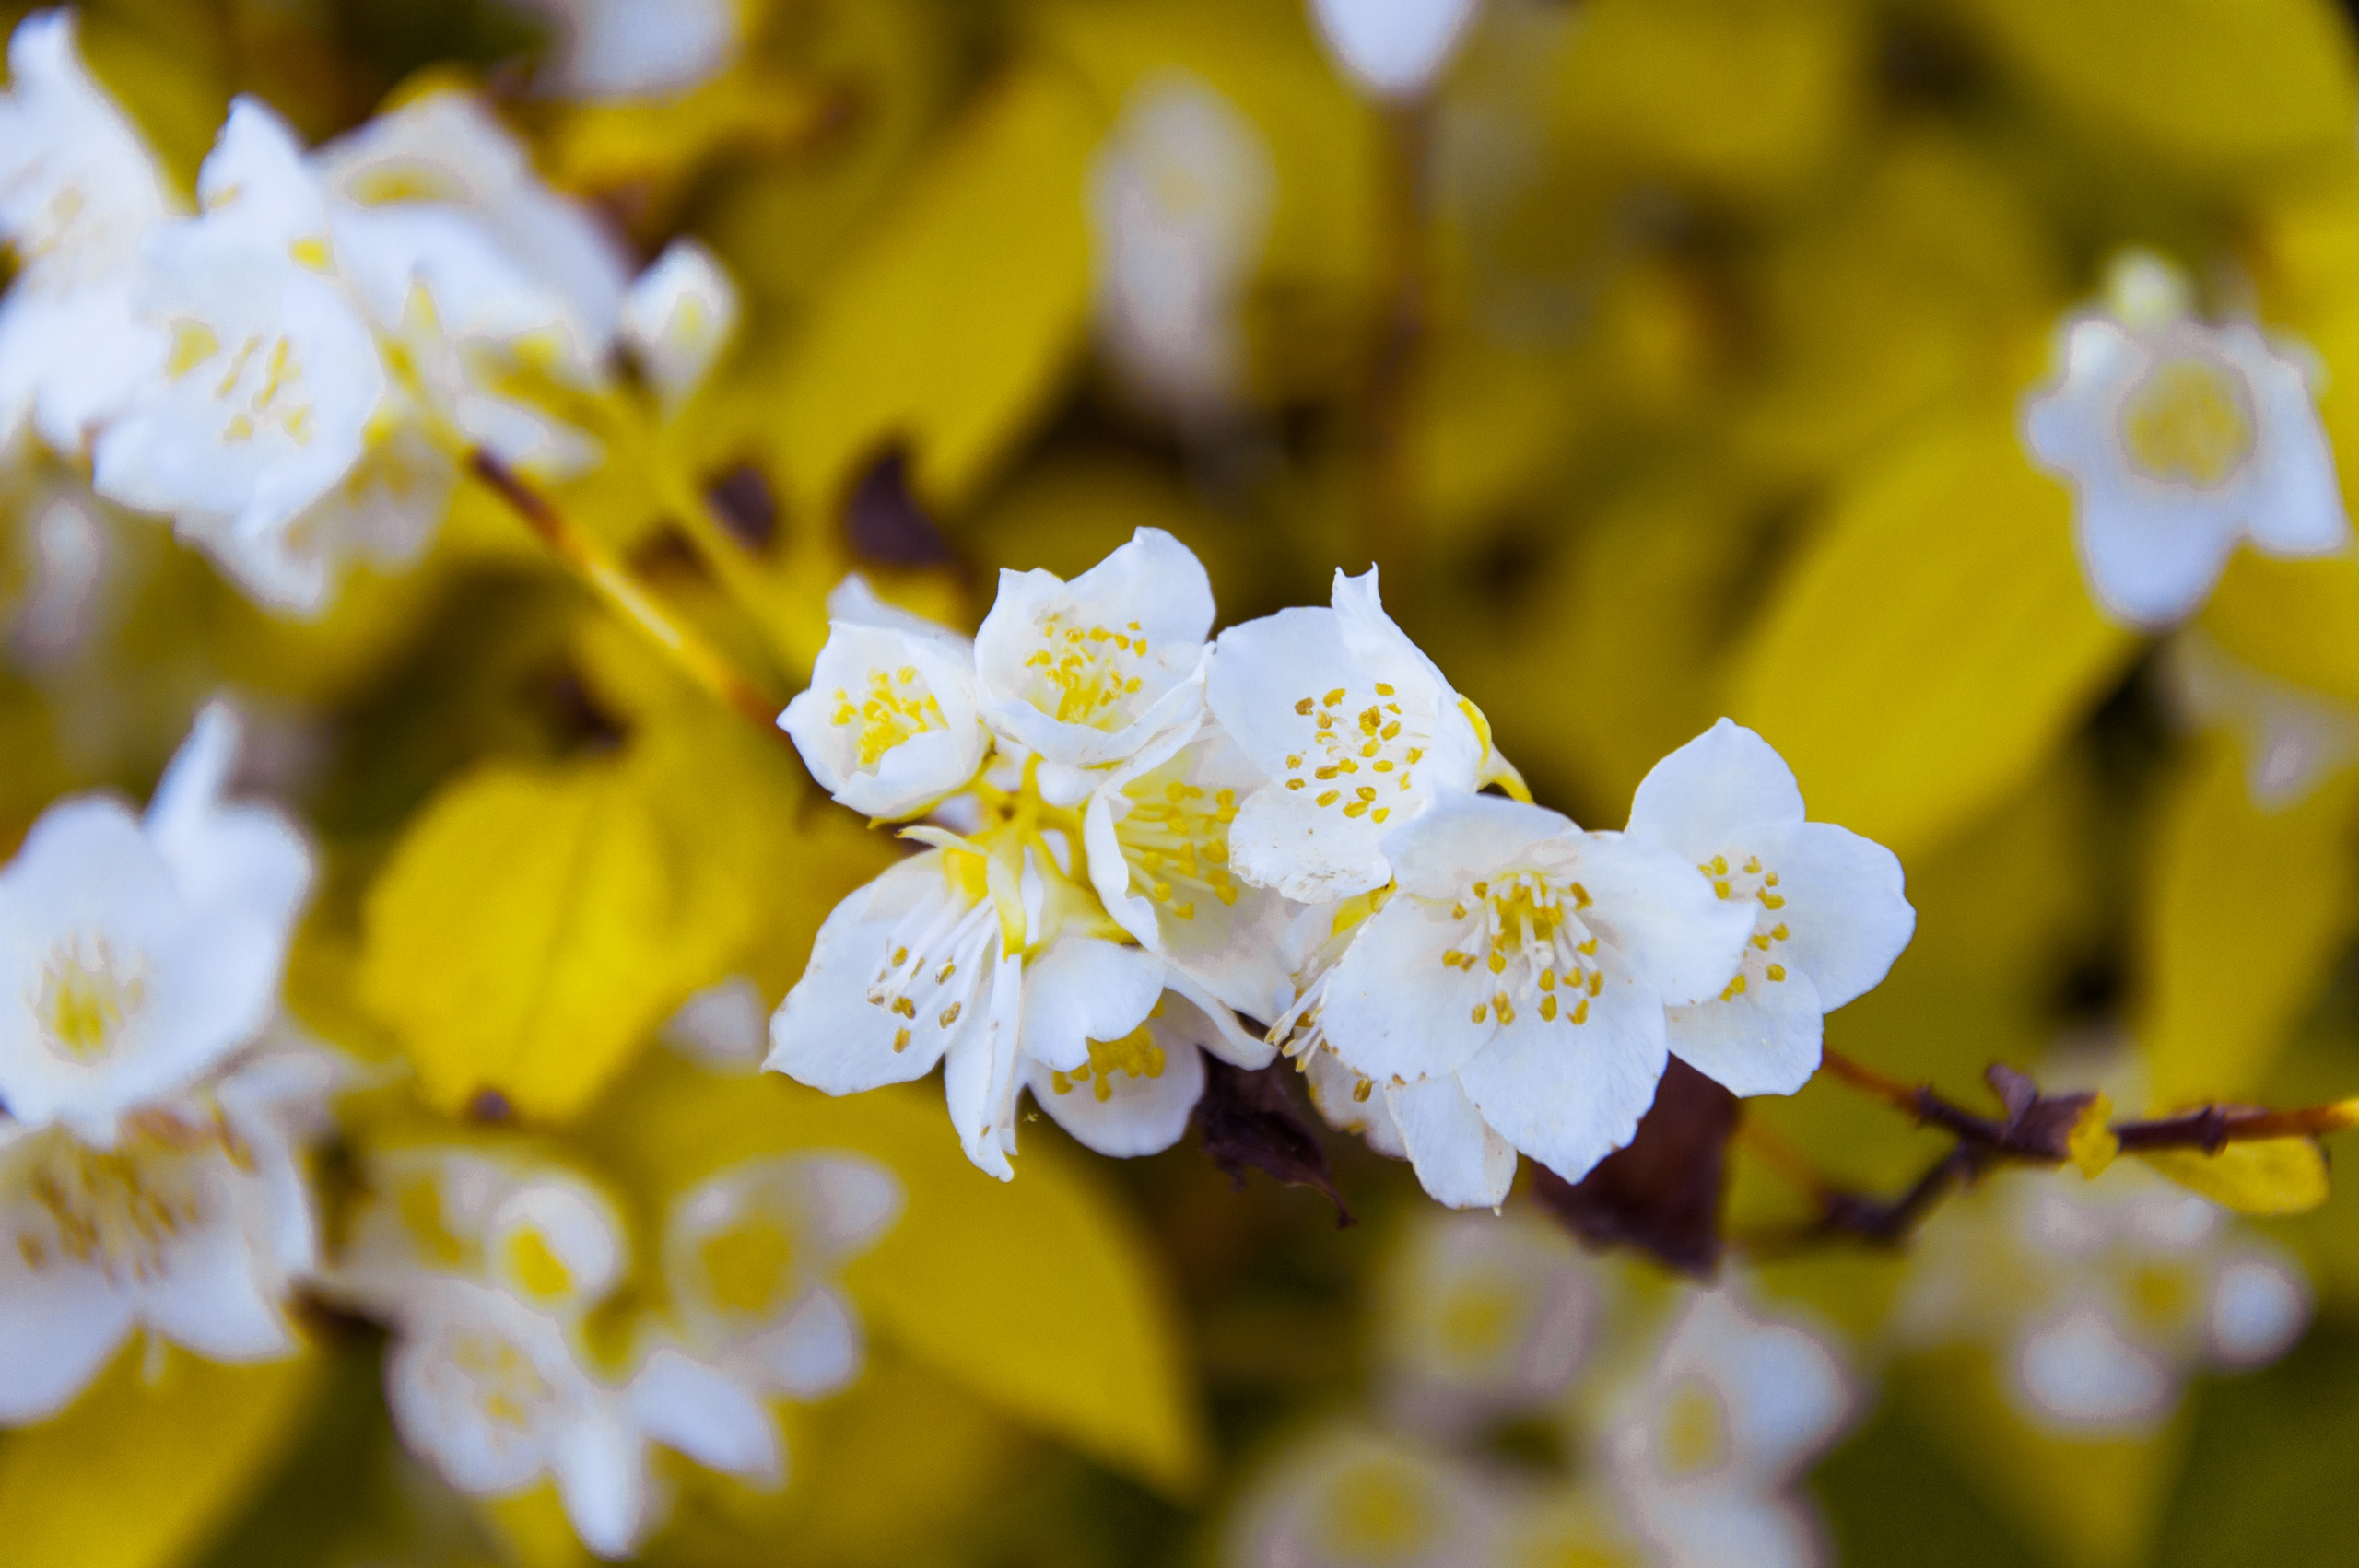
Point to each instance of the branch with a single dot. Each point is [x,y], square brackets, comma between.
[703,664]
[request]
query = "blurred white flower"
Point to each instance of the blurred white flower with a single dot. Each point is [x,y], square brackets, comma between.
[1482,1317]
[1393,48]
[2292,739]
[1510,994]
[1829,918]
[499,1396]
[67,570]
[79,191]
[1357,732]
[1707,1450]
[142,953]
[723,1028]
[1179,200]
[752,1256]
[1348,1497]
[678,317]
[2180,437]
[639,48]
[1101,674]
[190,1224]
[892,719]
[2100,1297]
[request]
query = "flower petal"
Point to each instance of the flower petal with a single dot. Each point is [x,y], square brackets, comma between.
[1680,940]
[1728,789]
[1085,989]
[1763,1041]
[1459,1160]
[686,1406]
[1846,908]
[1122,1115]
[1569,1095]
[1394,1011]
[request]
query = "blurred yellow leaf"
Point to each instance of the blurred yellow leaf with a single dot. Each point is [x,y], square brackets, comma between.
[1037,1296]
[2295,620]
[2271,1176]
[2246,912]
[949,323]
[2206,83]
[1934,642]
[139,1475]
[526,935]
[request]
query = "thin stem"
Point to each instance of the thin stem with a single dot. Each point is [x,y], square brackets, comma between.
[607,577]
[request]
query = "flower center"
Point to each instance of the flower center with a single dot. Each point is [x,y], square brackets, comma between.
[261,387]
[1359,755]
[1179,845]
[1753,881]
[1083,674]
[1379,1511]
[2189,420]
[748,1266]
[87,995]
[1691,1433]
[499,1380]
[1136,1055]
[897,707]
[1526,930]
[114,1210]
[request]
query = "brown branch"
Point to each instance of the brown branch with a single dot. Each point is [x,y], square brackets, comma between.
[605,576]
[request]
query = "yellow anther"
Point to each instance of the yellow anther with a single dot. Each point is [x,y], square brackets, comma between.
[1735,989]
[1773,900]
[1548,1008]
[949,1014]
[1328,798]
[1382,689]
[1777,972]
[901,1039]
[1332,699]
[1579,1014]
[1481,1012]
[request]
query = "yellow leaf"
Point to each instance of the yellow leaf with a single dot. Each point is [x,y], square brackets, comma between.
[2295,619]
[2091,1143]
[2205,83]
[526,935]
[140,1476]
[1039,1295]
[949,322]
[2245,912]
[1935,643]
[2270,1176]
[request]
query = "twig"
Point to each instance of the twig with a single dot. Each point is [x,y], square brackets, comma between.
[607,579]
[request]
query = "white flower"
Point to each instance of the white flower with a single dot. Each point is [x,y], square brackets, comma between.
[1158,845]
[1392,47]
[2292,739]
[74,576]
[1133,1095]
[2180,438]
[1357,730]
[1104,671]
[723,1028]
[1510,994]
[892,719]
[751,1257]
[1706,1450]
[79,192]
[138,955]
[2101,1296]
[1482,1317]
[498,1397]
[1179,198]
[1349,1497]
[678,317]
[1829,915]
[639,48]
[191,1227]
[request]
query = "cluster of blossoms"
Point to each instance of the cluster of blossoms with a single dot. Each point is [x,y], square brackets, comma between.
[1690,1424]
[1135,834]
[290,372]
[151,1142]
[526,1344]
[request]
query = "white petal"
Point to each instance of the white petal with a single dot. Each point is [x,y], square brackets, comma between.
[2152,562]
[1680,941]
[602,1476]
[890,722]
[1459,1160]
[1085,989]
[1728,789]
[1846,908]
[2295,508]
[855,1200]
[1285,841]
[1764,1041]
[1261,669]
[1393,1010]
[59,1327]
[1464,837]
[1393,47]
[2260,1307]
[1121,1115]
[2078,1369]
[831,1034]
[224,856]
[979,1073]
[207,1296]
[678,317]
[1191,1013]
[687,1405]
[255,177]
[816,1350]
[1351,1103]
[1567,1093]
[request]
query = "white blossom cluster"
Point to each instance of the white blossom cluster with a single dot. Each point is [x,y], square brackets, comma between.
[150,1133]
[1135,833]
[290,371]
[1686,1431]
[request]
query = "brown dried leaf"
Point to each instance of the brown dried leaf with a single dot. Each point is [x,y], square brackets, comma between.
[1251,1118]
[1662,1193]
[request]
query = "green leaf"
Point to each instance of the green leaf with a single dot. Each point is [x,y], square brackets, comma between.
[138,1474]
[2247,911]
[1038,1296]
[1935,643]
[527,934]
